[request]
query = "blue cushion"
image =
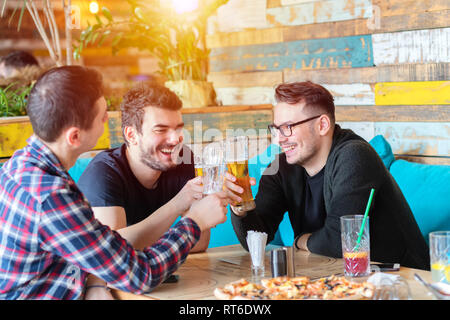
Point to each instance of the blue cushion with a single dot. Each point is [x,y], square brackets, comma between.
[384,150]
[223,234]
[426,189]
[286,232]
[76,171]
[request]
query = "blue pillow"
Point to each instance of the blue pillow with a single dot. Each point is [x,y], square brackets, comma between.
[427,191]
[286,232]
[76,171]
[384,150]
[223,234]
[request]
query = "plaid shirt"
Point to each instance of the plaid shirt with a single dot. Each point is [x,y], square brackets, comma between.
[50,240]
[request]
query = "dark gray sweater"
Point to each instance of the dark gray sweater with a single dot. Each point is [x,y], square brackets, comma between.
[353,167]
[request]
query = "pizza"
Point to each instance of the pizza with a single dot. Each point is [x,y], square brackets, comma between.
[297,288]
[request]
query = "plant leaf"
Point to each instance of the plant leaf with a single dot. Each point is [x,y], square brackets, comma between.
[107,14]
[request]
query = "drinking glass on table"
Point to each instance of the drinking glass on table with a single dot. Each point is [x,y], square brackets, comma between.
[440,256]
[198,165]
[236,156]
[213,168]
[356,256]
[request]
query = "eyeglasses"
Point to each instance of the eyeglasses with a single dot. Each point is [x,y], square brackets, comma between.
[286,129]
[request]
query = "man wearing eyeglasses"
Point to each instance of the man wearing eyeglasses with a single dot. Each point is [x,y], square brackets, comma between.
[326,172]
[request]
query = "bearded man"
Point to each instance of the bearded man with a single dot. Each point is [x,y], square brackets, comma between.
[326,172]
[152,173]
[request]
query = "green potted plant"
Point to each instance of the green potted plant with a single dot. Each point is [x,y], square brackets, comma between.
[13,100]
[176,40]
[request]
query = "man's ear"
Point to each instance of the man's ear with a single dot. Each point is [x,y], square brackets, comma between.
[324,124]
[73,137]
[130,135]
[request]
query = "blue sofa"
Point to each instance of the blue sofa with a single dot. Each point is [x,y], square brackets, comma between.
[425,187]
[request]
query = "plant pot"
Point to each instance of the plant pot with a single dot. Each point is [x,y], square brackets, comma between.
[193,94]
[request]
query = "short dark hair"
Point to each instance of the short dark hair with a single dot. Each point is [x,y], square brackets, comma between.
[64,97]
[19,59]
[146,95]
[313,95]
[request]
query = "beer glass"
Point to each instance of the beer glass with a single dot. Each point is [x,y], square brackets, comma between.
[213,168]
[236,156]
[198,165]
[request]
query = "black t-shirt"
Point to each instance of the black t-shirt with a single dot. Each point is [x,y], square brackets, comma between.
[315,214]
[108,181]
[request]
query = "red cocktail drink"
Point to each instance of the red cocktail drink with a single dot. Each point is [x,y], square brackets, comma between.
[356,264]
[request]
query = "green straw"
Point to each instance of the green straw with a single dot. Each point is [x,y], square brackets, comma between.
[361,231]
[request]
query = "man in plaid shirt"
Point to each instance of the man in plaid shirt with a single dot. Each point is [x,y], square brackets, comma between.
[50,240]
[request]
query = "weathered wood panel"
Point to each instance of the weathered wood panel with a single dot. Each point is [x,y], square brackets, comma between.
[13,136]
[378,24]
[401,7]
[416,138]
[245,79]
[207,127]
[344,94]
[246,37]
[252,95]
[230,109]
[351,94]
[364,129]
[417,46]
[393,113]
[318,12]
[304,54]
[15,131]
[409,93]
[385,73]
[411,21]
[291,2]
[407,138]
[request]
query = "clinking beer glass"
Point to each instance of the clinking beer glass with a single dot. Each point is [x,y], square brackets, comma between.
[198,165]
[213,168]
[236,156]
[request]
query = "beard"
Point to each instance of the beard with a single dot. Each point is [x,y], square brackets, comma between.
[305,157]
[306,152]
[150,159]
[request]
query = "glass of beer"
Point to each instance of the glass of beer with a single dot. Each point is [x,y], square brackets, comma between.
[236,156]
[213,168]
[198,165]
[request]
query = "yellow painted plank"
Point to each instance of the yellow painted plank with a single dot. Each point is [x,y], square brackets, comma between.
[104,141]
[412,93]
[14,136]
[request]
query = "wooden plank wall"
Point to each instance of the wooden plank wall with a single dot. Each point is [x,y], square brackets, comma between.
[387,63]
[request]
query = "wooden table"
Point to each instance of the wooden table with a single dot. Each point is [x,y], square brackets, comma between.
[202,272]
